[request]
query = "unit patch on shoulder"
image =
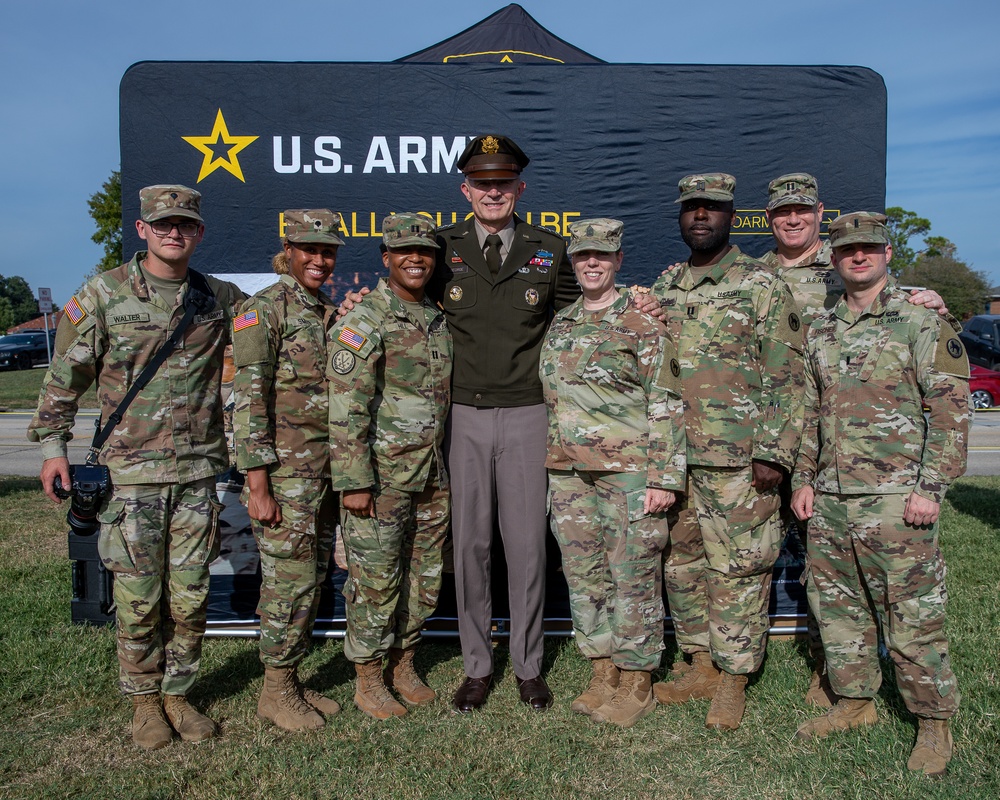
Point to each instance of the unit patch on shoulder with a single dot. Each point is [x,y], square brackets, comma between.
[793,322]
[245,320]
[343,362]
[351,338]
[74,311]
[954,348]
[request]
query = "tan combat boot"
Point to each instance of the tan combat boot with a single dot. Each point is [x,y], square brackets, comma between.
[849,713]
[729,703]
[150,729]
[326,706]
[932,752]
[820,693]
[633,699]
[281,703]
[371,695]
[603,683]
[699,680]
[401,676]
[190,725]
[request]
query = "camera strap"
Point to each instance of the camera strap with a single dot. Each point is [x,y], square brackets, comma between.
[199,299]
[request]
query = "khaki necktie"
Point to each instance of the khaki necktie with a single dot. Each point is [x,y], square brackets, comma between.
[492,253]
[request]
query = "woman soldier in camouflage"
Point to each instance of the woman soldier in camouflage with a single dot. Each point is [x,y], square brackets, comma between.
[616,459]
[282,444]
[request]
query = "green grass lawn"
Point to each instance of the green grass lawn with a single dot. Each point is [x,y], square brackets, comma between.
[19,389]
[64,730]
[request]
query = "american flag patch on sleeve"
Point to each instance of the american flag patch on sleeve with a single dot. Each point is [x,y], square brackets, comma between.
[244,321]
[74,311]
[351,338]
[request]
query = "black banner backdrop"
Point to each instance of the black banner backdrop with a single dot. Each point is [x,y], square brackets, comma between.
[371,139]
[604,140]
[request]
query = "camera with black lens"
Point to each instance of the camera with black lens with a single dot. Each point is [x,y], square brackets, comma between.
[89,487]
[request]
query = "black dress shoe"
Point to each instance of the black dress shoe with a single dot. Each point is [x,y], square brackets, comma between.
[472,694]
[535,692]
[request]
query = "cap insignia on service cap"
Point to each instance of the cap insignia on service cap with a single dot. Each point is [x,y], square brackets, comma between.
[312,226]
[169,200]
[490,145]
[409,230]
[709,186]
[796,188]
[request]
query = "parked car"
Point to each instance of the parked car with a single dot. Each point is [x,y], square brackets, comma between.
[25,350]
[984,384]
[981,337]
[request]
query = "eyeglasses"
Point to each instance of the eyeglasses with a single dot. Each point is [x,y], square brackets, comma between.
[163,228]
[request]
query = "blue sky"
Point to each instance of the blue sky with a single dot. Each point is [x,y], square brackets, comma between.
[62,61]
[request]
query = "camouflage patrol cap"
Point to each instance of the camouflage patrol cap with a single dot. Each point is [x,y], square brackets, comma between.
[312,226]
[796,188]
[492,156]
[603,235]
[408,230]
[709,186]
[169,200]
[861,227]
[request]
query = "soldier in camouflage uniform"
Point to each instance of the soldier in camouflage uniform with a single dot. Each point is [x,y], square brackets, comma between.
[740,342]
[803,260]
[390,389]
[281,421]
[870,476]
[611,383]
[159,528]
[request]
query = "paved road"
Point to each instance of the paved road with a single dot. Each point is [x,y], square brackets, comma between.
[18,456]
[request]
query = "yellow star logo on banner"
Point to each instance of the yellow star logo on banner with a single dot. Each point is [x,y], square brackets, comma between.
[220,149]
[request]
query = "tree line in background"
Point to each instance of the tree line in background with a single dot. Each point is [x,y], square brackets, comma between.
[17,303]
[935,267]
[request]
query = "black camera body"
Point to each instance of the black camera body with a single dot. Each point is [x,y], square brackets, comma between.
[89,487]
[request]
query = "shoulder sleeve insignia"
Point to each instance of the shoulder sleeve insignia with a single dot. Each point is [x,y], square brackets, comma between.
[954,348]
[793,322]
[74,311]
[675,368]
[343,362]
[351,338]
[245,320]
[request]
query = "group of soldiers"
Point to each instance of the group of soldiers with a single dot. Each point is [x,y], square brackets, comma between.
[422,406]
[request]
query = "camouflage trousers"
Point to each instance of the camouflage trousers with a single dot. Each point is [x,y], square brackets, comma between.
[724,541]
[294,559]
[159,540]
[870,570]
[394,567]
[611,552]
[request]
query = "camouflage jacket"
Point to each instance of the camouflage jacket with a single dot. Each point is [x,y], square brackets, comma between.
[390,392]
[612,391]
[814,282]
[282,411]
[740,345]
[172,432]
[870,376]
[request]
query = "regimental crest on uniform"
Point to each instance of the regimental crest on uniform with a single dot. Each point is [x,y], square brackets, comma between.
[954,348]
[455,293]
[351,338]
[531,297]
[675,367]
[74,310]
[793,322]
[246,320]
[343,362]
[490,145]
